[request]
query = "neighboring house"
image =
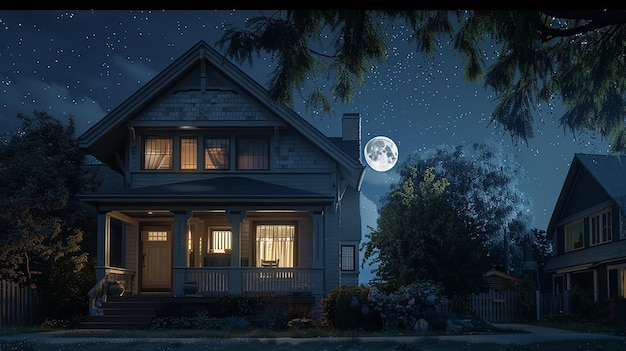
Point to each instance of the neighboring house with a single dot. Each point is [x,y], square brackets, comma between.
[587,229]
[220,187]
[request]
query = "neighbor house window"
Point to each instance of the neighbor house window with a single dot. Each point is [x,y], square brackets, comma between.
[600,227]
[253,153]
[216,153]
[158,153]
[220,241]
[275,243]
[574,234]
[347,257]
[188,153]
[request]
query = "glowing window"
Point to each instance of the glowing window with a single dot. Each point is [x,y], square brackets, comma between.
[158,153]
[275,242]
[216,153]
[220,241]
[157,236]
[188,153]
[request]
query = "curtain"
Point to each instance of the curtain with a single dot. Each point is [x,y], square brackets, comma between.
[275,242]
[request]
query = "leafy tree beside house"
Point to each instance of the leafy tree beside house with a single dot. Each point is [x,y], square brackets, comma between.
[420,236]
[41,224]
[484,183]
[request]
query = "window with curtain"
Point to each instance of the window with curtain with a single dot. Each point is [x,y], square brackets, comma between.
[216,153]
[188,153]
[253,153]
[158,153]
[275,242]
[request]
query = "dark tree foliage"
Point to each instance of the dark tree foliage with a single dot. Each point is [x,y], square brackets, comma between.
[573,58]
[422,237]
[485,184]
[41,171]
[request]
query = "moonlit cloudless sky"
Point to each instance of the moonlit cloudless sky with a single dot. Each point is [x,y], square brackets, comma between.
[85,63]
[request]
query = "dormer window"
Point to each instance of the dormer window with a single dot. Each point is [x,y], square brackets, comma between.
[158,152]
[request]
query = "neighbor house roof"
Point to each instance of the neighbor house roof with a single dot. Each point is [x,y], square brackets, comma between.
[608,170]
[106,137]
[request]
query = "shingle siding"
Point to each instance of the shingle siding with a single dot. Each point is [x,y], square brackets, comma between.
[219,105]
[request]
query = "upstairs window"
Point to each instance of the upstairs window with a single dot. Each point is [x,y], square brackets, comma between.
[188,153]
[216,153]
[600,227]
[253,153]
[158,153]
[574,235]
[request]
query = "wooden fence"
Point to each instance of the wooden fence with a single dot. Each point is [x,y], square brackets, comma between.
[506,306]
[494,306]
[19,305]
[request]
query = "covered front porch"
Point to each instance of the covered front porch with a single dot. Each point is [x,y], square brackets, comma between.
[209,252]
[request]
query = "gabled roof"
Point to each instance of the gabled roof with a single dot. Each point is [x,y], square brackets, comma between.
[608,170]
[107,135]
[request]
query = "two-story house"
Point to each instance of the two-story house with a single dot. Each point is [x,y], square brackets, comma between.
[588,230]
[220,187]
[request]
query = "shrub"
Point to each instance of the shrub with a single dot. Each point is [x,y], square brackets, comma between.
[407,304]
[345,307]
[64,289]
[240,305]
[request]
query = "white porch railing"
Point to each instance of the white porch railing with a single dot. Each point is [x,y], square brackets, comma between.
[252,280]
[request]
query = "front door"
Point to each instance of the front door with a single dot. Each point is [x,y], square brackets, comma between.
[156,266]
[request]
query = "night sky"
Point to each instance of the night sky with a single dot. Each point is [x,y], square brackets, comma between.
[85,63]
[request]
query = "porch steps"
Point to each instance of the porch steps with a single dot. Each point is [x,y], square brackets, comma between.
[125,312]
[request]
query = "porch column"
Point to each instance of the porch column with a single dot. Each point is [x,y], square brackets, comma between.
[319,253]
[180,251]
[102,246]
[235,274]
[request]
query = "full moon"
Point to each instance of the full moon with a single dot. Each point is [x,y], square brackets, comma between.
[381,153]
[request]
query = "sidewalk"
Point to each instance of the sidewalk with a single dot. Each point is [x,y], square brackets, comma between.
[526,334]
